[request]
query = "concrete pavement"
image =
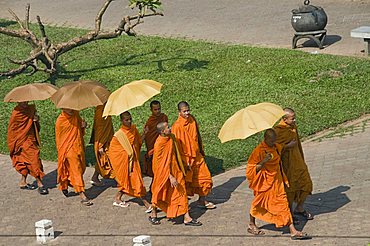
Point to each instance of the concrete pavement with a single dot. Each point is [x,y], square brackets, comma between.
[261,23]
[339,166]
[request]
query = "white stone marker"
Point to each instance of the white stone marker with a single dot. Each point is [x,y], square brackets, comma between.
[142,240]
[44,231]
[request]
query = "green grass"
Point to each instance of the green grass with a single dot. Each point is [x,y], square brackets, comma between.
[216,79]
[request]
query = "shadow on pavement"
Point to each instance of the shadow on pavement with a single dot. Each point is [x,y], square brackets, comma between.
[318,203]
[94,191]
[219,194]
[50,179]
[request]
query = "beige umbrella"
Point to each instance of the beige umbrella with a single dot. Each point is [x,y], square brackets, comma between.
[250,120]
[131,95]
[81,94]
[31,92]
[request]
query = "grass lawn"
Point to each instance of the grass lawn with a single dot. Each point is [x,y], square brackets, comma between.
[216,79]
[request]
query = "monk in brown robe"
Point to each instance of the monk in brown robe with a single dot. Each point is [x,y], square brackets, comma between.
[23,143]
[168,188]
[198,178]
[152,134]
[69,132]
[124,154]
[293,163]
[101,136]
[267,179]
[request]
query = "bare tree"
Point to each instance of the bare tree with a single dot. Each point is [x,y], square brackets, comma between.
[44,54]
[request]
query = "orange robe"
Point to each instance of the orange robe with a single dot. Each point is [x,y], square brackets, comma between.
[293,164]
[71,151]
[198,178]
[166,161]
[101,136]
[22,142]
[129,181]
[150,138]
[270,202]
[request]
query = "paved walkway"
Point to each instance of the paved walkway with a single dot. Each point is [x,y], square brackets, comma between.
[262,23]
[339,165]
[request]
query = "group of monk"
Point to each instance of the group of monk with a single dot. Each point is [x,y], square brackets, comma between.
[174,158]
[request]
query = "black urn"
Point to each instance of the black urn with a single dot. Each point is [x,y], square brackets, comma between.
[308,18]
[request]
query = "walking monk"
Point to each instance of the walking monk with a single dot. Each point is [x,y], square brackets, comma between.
[168,188]
[152,134]
[69,132]
[23,143]
[198,178]
[101,136]
[267,179]
[293,163]
[124,153]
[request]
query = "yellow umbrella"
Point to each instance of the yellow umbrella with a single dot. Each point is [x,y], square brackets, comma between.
[250,120]
[31,92]
[131,95]
[81,94]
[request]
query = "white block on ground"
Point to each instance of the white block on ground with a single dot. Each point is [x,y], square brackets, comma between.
[44,231]
[142,240]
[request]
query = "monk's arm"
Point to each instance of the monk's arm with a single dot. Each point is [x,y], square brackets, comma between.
[260,164]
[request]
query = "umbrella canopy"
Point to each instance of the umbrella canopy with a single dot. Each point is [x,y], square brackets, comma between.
[31,92]
[250,120]
[81,94]
[131,95]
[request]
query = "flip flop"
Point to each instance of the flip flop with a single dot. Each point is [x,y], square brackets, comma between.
[302,236]
[305,214]
[208,205]
[28,187]
[149,210]
[121,204]
[65,193]
[193,222]
[43,191]
[154,220]
[86,202]
[255,231]
[97,184]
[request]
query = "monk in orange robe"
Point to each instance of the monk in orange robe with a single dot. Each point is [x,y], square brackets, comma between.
[152,134]
[267,180]
[69,132]
[198,178]
[124,154]
[23,143]
[101,136]
[293,163]
[168,188]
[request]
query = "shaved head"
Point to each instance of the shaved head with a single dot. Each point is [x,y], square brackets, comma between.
[161,126]
[182,104]
[270,137]
[126,113]
[288,111]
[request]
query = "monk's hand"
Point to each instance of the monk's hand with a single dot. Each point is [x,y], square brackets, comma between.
[84,124]
[36,117]
[267,158]
[173,181]
[101,151]
[291,144]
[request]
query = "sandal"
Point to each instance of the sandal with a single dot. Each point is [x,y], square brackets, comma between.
[154,220]
[255,231]
[300,236]
[208,205]
[149,210]
[121,204]
[65,193]
[86,202]
[305,214]
[193,222]
[27,187]
[43,190]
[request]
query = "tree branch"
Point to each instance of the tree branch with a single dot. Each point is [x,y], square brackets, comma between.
[27,18]
[99,16]
[16,18]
